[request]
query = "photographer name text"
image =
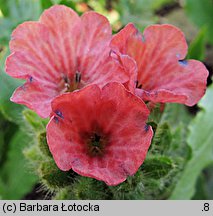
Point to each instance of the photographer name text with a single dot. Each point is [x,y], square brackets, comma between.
[38,207]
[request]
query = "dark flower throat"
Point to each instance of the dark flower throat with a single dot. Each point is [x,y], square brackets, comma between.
[95,148]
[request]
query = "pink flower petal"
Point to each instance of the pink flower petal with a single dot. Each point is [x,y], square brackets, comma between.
[64,27]
[38,97]
[30,54]
[162,74]
[114,114]
[94,43]
[64,52]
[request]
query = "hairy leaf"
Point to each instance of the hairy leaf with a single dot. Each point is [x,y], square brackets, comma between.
[33,122]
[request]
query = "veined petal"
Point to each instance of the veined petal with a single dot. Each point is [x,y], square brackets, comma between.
[64,27]
[63,52]
[38,97]
[31,55]
[162,74]
[187,87]
[115,68]
[124,137]
[120,40]
[94,42]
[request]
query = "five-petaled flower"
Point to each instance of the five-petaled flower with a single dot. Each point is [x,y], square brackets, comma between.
[163,74]
[63,52]
[99,132]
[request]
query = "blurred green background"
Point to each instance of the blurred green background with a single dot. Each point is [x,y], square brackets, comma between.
[194,178]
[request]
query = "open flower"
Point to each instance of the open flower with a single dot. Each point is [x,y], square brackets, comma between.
[163,74]
[63,52]
[104,137]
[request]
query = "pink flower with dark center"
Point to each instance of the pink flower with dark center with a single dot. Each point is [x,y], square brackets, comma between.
[163,74]
[63,52]
[99,132]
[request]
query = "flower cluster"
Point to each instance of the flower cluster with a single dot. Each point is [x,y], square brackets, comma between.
[94,86]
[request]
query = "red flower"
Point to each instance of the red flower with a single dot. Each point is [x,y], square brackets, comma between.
[63,52]
[163,74]
[99,133]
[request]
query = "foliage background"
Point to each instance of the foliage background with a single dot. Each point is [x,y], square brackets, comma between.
[179,164]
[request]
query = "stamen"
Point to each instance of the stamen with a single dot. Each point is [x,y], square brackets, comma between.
[96,151]
[95,140]
[66,83]
[77,77]
[66,79]
[138,85]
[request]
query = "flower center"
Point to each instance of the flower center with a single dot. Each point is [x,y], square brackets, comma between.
[68,85]
[96,145]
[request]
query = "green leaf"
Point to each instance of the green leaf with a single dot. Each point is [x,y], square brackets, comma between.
[17,11]
[197,46]
[162,139]
[131,189]
[33,122]
[178,119]
[157,167]
[169,147]
[46,4]
[55,1]
[3,7]
[170,136]
[70,3]
[15,177]
[1,146]
[22,10]
[137,11]
[140,12]
[209,182]
[7,129]
[42,144]
[155,114]
[200,13]
[53,177]
[200,140]
[200,193]
[85,189]
[176,115]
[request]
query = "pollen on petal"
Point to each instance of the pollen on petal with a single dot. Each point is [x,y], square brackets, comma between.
[59,113]
[146,128]
[56,120]
[183,62]
[30,78]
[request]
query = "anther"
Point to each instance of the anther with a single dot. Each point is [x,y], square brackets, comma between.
[77,77]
